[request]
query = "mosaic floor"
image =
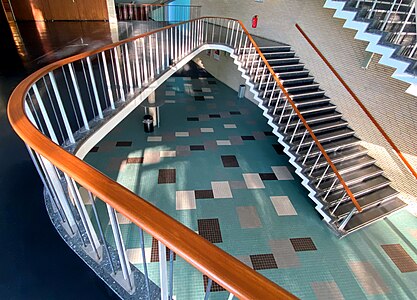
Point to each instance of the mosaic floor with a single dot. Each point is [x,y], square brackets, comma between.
[214,165]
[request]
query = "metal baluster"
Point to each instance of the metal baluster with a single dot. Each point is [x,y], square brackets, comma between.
[232,33]
[145,266]
[93,83]
[61,108]
[100,67]
[78,95]
[151,69]
[208,289]
[71,99]
[315,164]
[171,274]
[262,76]
[157,53]
[267,85]
[129,70]
[295,130]
[119,74]
[106,75]
[227,32]
[137,65]
[338,203]
[289,120]
[347,219]
[163,270]
[283,110]
[322,176]
[145,63]
[308,152]
[257,69]
[53,109]
[272,93]
[87,84]
[45,116]
[278,100]
[106,248]
[301,142]
[253,63]
[329,190]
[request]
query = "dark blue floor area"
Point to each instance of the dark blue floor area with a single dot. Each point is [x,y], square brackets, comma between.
[35,262]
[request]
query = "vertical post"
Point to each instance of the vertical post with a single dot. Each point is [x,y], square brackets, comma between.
[44,114]
[93,83]
[61,108]
[78,95]
[106,75]
[163,271]
[129,70]
[119,74]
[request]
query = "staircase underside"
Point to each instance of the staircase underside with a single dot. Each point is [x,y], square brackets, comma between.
[365,179]
[382,34]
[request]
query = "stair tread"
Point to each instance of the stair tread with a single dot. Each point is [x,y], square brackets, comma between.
[354,177]
[376,213]
[330,135]
[322,126]
[311,85]
[348,165]
[358,189]
[338,156]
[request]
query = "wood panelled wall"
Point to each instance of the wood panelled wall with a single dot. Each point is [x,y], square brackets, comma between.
[59,10]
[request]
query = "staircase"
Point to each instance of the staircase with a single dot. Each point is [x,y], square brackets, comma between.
[365,179]
[390,28]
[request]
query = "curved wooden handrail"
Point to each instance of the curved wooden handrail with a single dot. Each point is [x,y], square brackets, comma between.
[359,102]
[294,106]
[223,268]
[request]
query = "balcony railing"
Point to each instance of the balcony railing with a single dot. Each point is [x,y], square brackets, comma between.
[61,105]
[157,12]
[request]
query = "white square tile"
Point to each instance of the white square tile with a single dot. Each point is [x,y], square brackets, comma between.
[134,255]
[206,90]
[206,129]
[221,189]
[169,93]
[187,78]
[208,97]
[165,153]
[185,200]
[223,143]
[182,134]
[169,101]
[230,126]
[253,181]
[154,138]
[282,173]
[283,206]
[171,79]
[151,157]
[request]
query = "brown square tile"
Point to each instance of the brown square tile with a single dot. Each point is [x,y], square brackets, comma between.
[193,119]
[210,230]
[167,176]
[303,244]
[155,251]
[263,261]
[134,160]
[229,161]
[215,287]
[278,148]
[235,113]
[213,116]
[204,194]
[199,98]
[400,258]
[123,144]
[197,147]
[269,133]
[247,138]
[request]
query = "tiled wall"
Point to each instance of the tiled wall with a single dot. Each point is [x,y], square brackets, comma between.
[384,96]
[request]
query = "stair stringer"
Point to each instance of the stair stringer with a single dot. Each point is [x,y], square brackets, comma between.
[292,159]
[373,40]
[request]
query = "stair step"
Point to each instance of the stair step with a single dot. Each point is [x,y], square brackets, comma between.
[332,124]
[299,88]
[296,81]
[336,157]
[306,111]
[358,190]
[326,137]
[346,166]
[330,147]
[352,178]
[287,68]
[283,61]
[278,54]
[305,95]
[318,119]
[370,216]
[369,200]
[302,103]
[293,74]
[272,49]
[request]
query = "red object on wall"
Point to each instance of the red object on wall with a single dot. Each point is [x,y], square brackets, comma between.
[255,21]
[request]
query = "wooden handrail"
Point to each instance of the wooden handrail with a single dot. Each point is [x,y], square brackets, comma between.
[294,106]
[223,268]
[359,102]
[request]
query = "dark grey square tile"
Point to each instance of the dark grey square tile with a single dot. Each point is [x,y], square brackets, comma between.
[123,144]
[167,176]
[215,287]
[247,138]
[229,161]
[198,90]
[268,176]
[155,252]
[197,147]
[204,194]
[199,98]
[235,113]
[214,116]
[263,261]
[269,133]
[303,244]
[278,148]
[94,149]
[193,119]
[210,230]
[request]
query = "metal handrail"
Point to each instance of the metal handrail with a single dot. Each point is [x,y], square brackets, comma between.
[223,268]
